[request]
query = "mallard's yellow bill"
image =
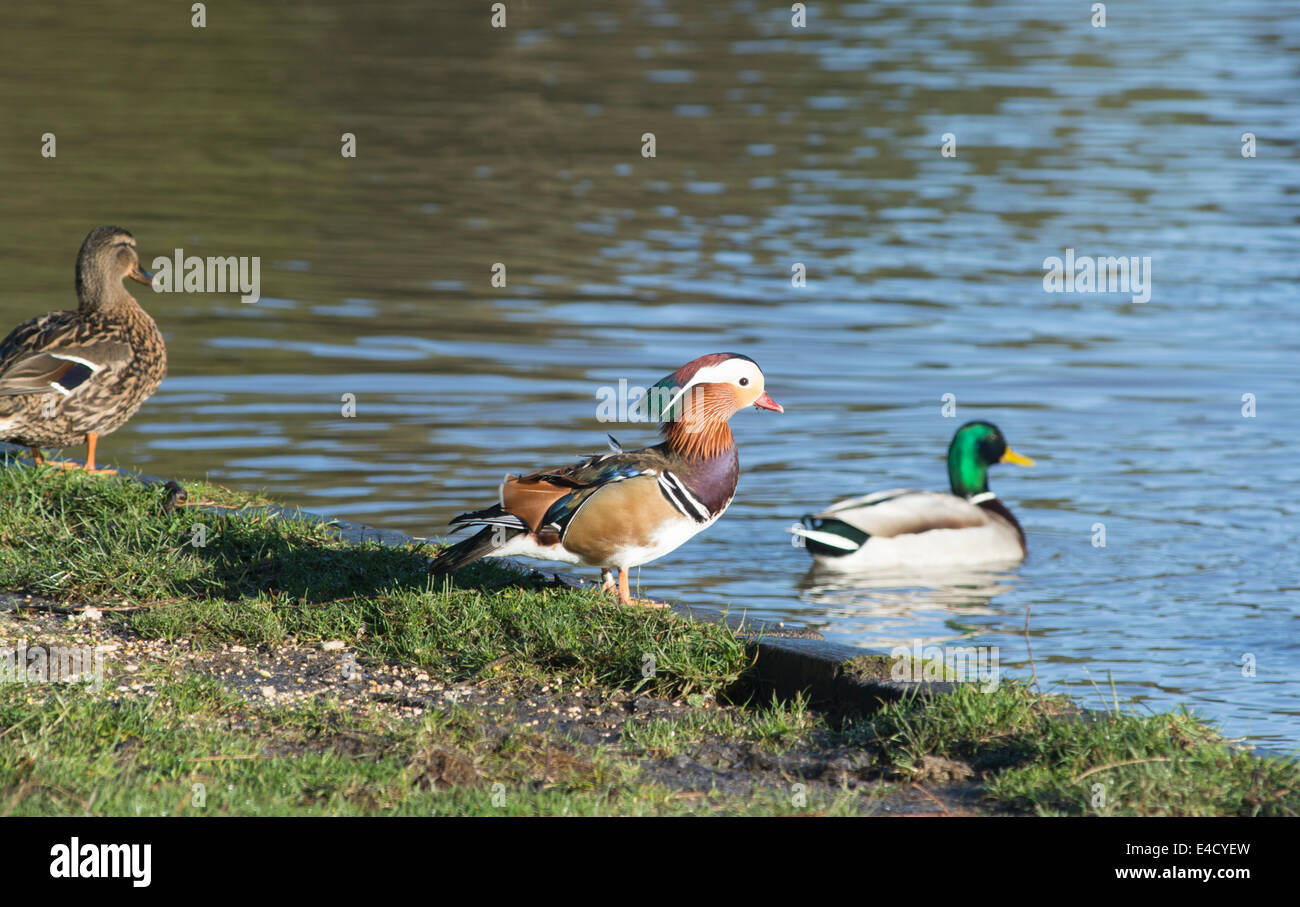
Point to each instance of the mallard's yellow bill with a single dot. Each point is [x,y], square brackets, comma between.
[1012,457]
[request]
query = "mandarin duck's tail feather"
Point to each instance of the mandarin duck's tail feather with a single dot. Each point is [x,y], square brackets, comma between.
[464,553]
[499,528]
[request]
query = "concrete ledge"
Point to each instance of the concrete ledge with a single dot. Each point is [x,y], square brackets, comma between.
[835,677]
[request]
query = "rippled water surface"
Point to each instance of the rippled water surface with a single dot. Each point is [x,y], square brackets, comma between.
[774,146]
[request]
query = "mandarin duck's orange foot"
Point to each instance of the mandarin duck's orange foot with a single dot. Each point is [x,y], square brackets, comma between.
[67,377]
[628,507]
[625,595]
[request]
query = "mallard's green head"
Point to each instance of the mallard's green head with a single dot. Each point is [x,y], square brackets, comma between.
[976,447]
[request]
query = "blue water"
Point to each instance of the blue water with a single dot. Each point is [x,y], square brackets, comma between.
[775,146]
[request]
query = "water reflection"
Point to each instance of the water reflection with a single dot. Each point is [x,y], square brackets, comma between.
[882,609]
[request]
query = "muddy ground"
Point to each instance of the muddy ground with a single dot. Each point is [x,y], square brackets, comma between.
[285,675]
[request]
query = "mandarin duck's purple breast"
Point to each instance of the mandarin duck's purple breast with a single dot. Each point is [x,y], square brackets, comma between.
[713,480]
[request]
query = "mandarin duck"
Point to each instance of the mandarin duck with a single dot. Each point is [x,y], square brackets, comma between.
[69,377]
[625,508]
[906,528]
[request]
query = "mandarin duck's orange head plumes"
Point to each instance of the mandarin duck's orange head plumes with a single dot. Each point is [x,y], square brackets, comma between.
[695,402]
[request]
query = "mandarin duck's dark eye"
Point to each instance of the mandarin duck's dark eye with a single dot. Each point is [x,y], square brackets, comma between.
[744,382]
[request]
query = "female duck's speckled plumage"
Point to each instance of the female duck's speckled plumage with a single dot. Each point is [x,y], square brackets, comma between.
[626,508]
[69,377]
[904,528]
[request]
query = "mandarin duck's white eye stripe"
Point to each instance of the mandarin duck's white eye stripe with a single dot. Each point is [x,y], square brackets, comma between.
[681,498]
[668,407]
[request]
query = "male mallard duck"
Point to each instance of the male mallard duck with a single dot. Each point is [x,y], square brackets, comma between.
[69,377]
[626,508]
[904,528]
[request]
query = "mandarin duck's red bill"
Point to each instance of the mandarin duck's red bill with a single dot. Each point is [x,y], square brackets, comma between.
[628,507]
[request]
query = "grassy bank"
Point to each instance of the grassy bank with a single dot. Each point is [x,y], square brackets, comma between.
[258,665]
[258,580]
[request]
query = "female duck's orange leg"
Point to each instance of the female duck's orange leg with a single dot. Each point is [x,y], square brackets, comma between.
[92,439]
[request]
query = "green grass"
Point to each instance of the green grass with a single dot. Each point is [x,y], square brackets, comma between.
[1041,754]
[778,726]
[198,749]
[258,580]
[265,582]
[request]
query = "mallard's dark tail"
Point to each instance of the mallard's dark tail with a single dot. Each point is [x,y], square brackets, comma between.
[829,537]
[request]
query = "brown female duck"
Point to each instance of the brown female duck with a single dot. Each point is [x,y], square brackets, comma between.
[69,377]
